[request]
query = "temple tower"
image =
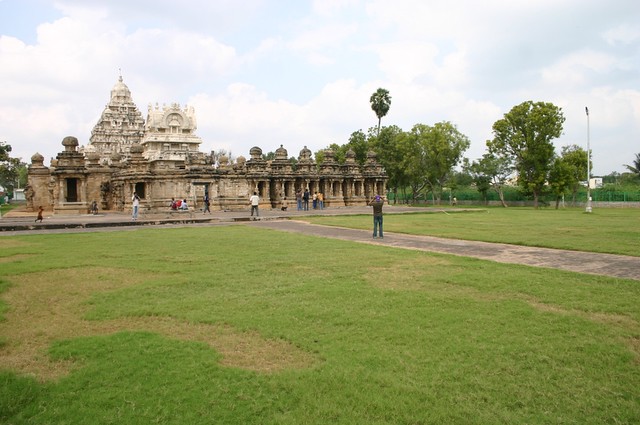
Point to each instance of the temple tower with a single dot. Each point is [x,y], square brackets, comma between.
[120,125]
[170,133]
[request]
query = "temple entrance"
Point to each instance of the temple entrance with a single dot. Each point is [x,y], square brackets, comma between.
[72,190]
[140,189]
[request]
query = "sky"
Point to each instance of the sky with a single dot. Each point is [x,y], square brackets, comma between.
[300,73]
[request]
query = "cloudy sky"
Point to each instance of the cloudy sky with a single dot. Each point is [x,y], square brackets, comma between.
[300,73]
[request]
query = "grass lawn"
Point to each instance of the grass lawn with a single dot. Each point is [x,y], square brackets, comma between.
[239,325]
[607,230]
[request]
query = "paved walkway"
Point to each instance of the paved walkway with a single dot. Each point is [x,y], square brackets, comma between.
[583,262]
[20,223]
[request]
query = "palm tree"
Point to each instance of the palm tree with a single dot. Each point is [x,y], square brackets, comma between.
[380,103]
[635,168]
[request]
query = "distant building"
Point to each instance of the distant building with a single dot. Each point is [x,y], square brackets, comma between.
[159,159]
[595,182]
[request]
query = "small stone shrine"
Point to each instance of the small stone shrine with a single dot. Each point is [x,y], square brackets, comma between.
[160,159]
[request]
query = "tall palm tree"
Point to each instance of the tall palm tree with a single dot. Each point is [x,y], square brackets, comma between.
[380,103]
[635,168]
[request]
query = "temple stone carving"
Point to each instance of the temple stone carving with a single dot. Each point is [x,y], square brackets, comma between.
[120,125]
[159,159]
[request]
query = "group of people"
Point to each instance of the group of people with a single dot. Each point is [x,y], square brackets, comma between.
[180,204]
[377,202]
[302,200]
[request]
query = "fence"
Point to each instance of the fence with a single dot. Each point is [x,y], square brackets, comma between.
[515,197]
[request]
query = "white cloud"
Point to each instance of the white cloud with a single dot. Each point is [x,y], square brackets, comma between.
[265,73]
[574,68]
[623,34]
[405,61]
[324,36]
[327,8]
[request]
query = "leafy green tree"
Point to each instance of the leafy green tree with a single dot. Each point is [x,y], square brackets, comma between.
[431,153]
[576,159]
[339,150]
[23,174]
[635,168]
[391,155]
[479,177]
[443,147]
[380,103]
[359,143]
[561,178]
[461,179]
[9,168]
[269,156]
[525,134]
[493,171]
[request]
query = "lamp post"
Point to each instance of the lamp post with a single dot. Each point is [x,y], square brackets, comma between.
[588,209]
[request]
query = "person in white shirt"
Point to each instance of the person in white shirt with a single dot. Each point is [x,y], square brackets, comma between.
[136,204]
[255,201]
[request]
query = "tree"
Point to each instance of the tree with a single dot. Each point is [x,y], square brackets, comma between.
[575,158]
[635,168]
[9,168]
[359,144]
[269,156]
[444,148]
[479,177]
[525,134]
[380,103]
[431,154]
[390,155]
[491,171]
[561,178]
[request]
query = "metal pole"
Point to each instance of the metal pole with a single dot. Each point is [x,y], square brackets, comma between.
[588,209]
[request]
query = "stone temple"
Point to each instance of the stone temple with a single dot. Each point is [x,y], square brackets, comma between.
[160,159]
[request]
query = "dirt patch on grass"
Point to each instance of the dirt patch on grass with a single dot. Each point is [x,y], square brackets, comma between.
[607,318]
[12,243]
[46,307]
[634,343]
[409,275]
[13,258]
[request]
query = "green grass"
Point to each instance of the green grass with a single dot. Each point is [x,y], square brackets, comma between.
[5,208]
[386,336]
[614,231]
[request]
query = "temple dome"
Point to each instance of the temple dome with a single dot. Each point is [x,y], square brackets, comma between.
[255,152]
[37,158]
[120,90]
[70,141]
[281,153]
[329,155]
[305,154]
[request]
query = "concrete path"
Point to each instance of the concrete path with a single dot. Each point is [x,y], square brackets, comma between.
[583,262]
[21,223]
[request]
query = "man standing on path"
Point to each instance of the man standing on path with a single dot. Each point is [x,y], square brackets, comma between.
[305,200]
[299,199]
[255,201]
[377,204]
